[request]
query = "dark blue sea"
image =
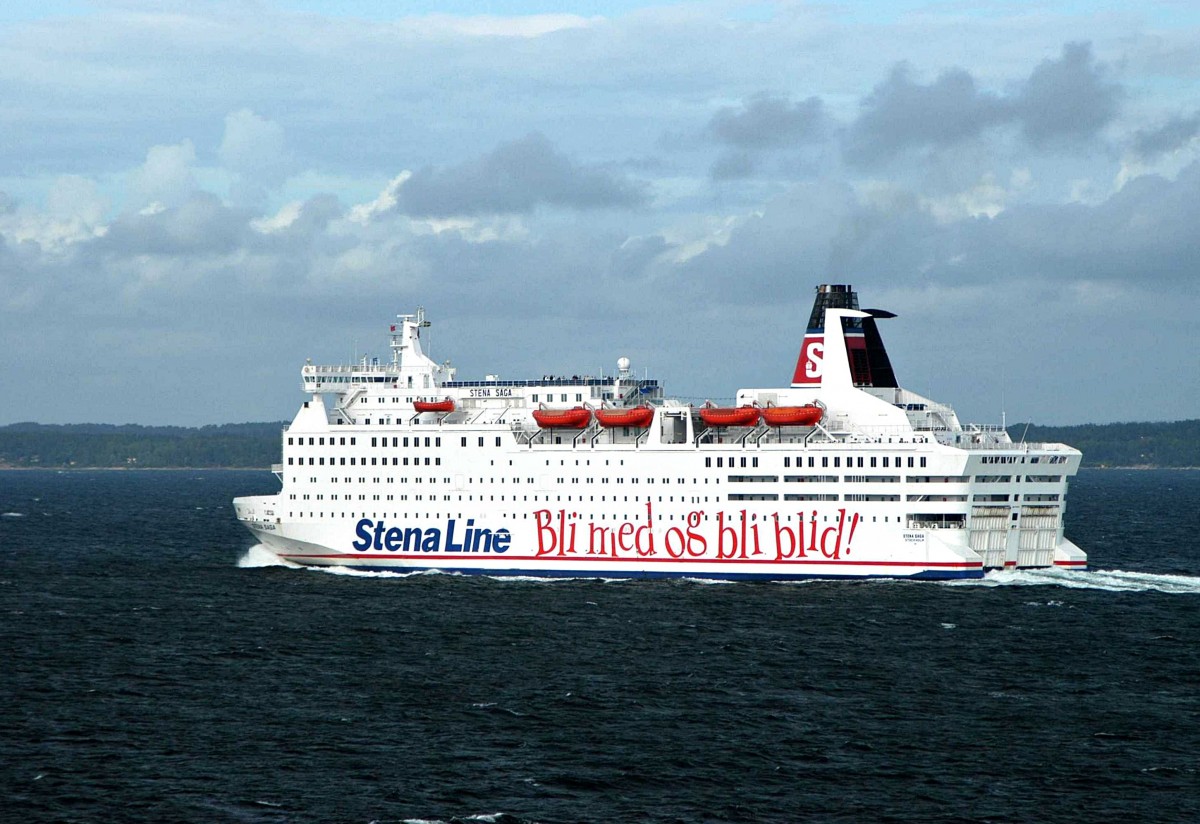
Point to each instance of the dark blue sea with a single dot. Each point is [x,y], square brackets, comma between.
[154,667]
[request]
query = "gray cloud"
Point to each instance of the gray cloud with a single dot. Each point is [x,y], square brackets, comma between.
[1066,99]
[516,177]
[733,165]
[767,121]
[358,100]
[1174,134]
[200,225]
[901,113]
[630,260]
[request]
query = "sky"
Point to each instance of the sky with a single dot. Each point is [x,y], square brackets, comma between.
[197,196]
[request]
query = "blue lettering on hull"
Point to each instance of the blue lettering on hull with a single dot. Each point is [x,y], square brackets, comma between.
[378,536]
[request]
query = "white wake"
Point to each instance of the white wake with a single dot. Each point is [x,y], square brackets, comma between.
[1112,580]
[259,556]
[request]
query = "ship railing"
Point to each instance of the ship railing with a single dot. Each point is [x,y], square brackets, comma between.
[983,427]
[346,369]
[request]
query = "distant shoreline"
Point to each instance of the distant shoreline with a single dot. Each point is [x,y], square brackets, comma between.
[3,468]
[258,445]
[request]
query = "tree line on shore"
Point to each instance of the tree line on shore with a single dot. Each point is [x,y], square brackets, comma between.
[257,445]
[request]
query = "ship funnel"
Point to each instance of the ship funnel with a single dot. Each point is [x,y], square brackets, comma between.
[867,358]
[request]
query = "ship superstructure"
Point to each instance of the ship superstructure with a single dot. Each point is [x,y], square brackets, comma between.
[398,465]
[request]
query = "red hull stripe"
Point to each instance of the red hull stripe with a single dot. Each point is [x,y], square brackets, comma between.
[597,558]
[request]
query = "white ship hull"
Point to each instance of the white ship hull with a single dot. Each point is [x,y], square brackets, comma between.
[886,485]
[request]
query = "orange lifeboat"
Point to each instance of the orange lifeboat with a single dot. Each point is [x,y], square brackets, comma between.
[444,405]
[730,415]
[576,418]
[637,416]
[807,415]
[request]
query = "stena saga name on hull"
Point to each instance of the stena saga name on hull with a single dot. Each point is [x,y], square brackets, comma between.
[841,474]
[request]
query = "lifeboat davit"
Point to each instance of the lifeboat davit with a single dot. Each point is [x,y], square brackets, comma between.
[637,416]
[730,415]
[575,418]
[807,415]
[444,405]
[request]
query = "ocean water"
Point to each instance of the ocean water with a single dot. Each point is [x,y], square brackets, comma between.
[156,666]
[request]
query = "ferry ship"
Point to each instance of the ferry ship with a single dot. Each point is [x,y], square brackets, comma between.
[841,474]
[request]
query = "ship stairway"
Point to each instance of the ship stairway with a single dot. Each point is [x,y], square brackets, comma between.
[600,430]
[587,435]
[633,393]
[708,434]
[524,435]
[344,403]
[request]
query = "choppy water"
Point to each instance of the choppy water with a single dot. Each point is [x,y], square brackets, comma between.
[155,666]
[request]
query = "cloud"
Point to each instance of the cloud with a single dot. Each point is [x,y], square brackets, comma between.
[298,219]
[384,203]
[75,211]
[253,149]
[1176,133]
[907,129]
[733,165]
[516,177]
[1067,99]
[166,175]
[767,121]
[901,114]
[1063,100]
[630,260]
[200,225]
